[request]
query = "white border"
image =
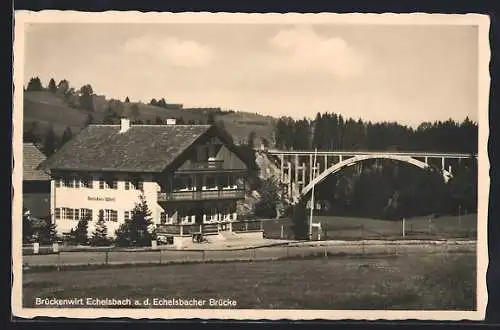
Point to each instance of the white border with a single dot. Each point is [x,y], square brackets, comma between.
[52,16]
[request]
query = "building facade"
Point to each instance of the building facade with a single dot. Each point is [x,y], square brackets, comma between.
[188,175]
[36,184]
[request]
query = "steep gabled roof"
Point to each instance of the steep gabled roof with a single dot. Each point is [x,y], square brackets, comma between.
[32,157]
[142,148]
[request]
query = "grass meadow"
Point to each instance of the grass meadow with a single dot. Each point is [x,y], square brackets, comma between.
[349,228]
[416,281]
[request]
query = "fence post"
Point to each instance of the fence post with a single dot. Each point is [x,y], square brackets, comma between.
[58,260]
[202,255]
[106,257]
[246,226]
[36,248]
[287,251]
[55,247]
[403,228]
[326,253]
[161,253]
[282,234]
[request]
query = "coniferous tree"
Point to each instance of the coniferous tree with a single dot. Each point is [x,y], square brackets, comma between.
[34,84]
[28,229]
[162,103]
[63,87]
[127,100]
[52,85]
[251,139]
[32,135]
[300,225]
[87,97]
[100,234]
[67,135]
[50,142]
[48,233]
[80,233]
[137,231]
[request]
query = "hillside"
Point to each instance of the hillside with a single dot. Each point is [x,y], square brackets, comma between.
[47,109]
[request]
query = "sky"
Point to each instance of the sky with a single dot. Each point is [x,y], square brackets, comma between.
[406,73]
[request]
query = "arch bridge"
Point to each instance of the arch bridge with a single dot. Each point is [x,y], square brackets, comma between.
[300,171]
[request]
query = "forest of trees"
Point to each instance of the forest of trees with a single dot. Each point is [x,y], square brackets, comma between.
[330,131]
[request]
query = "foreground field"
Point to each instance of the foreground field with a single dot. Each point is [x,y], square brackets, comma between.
[419,281]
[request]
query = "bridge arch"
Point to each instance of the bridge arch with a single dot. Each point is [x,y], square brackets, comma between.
[356,159]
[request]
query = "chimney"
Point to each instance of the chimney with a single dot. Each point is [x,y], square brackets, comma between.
[124,125]
[171,121]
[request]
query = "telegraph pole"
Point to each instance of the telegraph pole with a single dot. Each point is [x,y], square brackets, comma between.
[312,194]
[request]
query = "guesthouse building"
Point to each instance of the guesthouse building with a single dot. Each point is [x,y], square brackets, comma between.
[191,177]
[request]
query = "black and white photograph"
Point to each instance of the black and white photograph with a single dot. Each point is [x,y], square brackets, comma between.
[250,166]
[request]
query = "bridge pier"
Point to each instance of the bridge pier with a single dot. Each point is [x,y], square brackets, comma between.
[310,167]
[296,168]
[282,169]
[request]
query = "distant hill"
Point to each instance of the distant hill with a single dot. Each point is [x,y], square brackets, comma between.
[48,109]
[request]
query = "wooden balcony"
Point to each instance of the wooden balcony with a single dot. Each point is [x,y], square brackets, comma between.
[201,195]
[209,228]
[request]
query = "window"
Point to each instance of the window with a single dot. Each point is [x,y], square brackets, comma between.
[140,185]
[126,215]
[127,185]
[109,215]
[210,182]
[86,214]
[77,214]
[163,217]
[57,213]
[86,182]
[114,184]
[68,182]
[113,215]
[64,213]
[183,183]
[58,182]
[102,184]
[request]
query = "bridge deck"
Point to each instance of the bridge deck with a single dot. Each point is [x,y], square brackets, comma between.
[374,153]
